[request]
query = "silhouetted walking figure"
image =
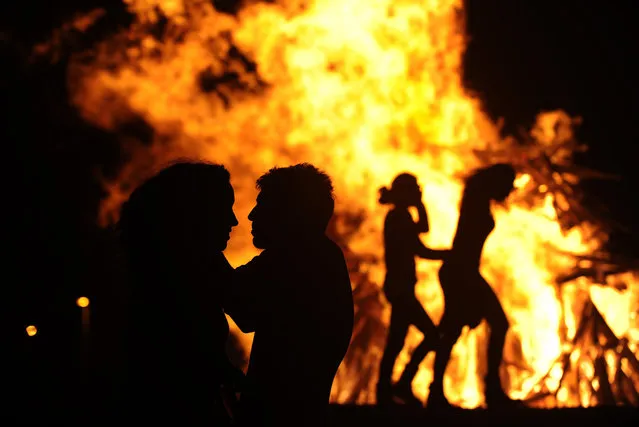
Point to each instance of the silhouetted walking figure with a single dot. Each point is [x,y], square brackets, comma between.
[296,295]
[402,245]
[468,297]
[174,228]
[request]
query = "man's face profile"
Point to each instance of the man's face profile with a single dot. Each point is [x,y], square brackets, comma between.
[266,217]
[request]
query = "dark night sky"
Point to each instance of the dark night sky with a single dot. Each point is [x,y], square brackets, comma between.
[524,57]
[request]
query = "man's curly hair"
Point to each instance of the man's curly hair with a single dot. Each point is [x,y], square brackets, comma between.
[302,188]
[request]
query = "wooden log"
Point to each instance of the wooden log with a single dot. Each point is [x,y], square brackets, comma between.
[596,275]
[564,358]
[582,380]
[626,388]
[604,393]
[546,167]
[627,354]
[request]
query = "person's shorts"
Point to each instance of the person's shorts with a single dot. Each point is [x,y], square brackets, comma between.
[463,297]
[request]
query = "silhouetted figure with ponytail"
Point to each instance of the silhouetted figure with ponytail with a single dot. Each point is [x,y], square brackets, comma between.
[173,229]
[402,245]
[468,297]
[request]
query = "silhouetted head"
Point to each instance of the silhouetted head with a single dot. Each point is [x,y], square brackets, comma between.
[404,191]
[186,210]
[493,182]
[294,203]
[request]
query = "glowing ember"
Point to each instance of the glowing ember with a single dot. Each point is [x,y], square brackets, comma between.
[364,99]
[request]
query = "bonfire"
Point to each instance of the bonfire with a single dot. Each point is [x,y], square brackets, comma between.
[277,83]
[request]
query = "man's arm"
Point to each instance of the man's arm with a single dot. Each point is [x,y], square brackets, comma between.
[242,299]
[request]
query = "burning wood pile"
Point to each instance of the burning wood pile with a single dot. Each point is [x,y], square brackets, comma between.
[282,82]
[594,363]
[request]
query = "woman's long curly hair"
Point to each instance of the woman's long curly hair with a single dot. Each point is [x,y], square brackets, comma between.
[490,182]
[163,215]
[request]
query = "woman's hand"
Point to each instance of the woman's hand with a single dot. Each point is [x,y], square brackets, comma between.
[233,378]
[416,199]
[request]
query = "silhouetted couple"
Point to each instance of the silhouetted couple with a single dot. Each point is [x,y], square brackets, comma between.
[296,297]
[468,297]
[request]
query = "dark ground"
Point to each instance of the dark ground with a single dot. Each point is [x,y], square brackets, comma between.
[370,416]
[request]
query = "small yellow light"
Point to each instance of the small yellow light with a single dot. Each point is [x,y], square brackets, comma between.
[31,330]
[83,302]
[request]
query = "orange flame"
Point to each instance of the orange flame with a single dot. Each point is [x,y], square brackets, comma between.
[364,89]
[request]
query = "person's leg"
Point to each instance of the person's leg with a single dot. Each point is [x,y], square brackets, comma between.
[452,280]
[498,323]
[418,317]
[449,329]
[394,344]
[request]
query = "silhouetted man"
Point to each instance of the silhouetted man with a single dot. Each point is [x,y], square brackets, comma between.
[296,296]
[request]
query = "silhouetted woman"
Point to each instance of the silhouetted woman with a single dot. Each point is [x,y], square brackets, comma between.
[468,297]
[402,245]
[174,228]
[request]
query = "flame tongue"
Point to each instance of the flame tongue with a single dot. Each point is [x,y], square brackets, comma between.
[363,89]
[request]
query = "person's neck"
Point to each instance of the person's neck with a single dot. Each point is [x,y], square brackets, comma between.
[300,240]
[401,207]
